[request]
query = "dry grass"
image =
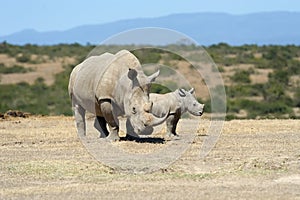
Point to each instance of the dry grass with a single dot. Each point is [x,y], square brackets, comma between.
[42,157]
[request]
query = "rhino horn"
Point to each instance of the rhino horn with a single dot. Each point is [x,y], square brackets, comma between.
[154,121]
[153,76]
[192,90]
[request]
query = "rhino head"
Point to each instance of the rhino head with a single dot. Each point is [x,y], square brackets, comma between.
[133,91]
[190,102]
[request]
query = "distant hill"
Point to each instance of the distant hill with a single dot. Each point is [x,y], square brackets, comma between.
[206,28]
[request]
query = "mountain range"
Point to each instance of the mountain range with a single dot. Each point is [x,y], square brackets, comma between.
[264,28]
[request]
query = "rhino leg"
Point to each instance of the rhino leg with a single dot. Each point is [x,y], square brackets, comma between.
[107,112]
[172,122]
[100,125]
[79,113]
[130,134]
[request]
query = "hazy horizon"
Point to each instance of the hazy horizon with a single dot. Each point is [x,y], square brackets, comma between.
[59,15]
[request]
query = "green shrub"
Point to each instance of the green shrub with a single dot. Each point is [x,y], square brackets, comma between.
[255,108]
[207,103]
[262,63]
[160,89]
[241,76]
[220,68]
[25,97]
[38,98]
[276,107]
[296,100]
[14,69]
[147,55]
[293,67]
[242,90]
[273,91]
[230,117]
[279,76]
[23,58]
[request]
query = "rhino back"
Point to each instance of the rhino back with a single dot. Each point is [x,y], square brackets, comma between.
[106,84]
[72,79]
[164,103]
[86,74]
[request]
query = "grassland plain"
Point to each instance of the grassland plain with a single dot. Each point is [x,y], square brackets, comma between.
[42,158]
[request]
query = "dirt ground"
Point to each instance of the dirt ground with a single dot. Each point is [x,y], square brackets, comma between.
[43,158]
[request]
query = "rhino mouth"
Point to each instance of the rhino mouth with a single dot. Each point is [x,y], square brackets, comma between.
[149,120]
[199,113]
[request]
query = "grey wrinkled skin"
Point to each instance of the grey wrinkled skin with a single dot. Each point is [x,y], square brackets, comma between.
[174,104]
[110,86]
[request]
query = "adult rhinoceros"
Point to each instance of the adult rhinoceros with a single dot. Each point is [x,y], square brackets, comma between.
[109,86]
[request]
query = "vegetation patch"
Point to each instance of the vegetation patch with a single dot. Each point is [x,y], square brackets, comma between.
[276,97]
[14,69]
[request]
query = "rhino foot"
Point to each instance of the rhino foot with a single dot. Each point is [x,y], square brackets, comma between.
[172,136]
[113,137]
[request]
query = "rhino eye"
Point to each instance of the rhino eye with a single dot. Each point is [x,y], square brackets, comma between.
[194,104]
[133,110]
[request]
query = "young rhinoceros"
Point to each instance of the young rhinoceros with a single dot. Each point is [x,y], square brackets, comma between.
[175,104]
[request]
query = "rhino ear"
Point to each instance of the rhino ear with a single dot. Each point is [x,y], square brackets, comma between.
[182,92]
[153,76]
[132,73]
[192,90]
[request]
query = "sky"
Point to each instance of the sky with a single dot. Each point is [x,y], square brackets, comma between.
[49,15]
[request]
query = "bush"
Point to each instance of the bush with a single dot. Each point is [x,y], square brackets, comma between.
[147,55]
[230,117]
[160,89]
[241,76]
[255,109]
[14,69]
[33,98]
[279,76]
[296,100]
[240,90]
[38,98]
[207,103]
[23,58]
[293,67]
[276,107]
[273,91]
